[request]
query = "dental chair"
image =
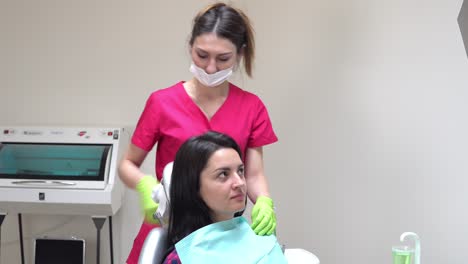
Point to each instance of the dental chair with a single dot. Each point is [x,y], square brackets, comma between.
[155,246]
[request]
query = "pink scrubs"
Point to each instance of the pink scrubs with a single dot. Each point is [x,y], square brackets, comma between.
[171,117]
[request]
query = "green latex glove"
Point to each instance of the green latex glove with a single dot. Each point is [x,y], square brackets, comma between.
[263,216]
[145,189]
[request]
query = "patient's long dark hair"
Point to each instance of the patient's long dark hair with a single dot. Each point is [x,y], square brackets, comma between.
[188,210]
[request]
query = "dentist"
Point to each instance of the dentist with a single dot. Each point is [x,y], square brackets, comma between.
[221,40]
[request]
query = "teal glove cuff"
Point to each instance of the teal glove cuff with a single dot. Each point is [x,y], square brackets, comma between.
[145,189]
[263,216]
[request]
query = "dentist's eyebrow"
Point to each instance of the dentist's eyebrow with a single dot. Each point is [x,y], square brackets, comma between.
[221,54]
[200,49]
[226,53]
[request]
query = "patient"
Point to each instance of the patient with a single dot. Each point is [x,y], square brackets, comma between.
[208,190]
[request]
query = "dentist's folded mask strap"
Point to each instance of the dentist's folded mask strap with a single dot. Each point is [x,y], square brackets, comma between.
[210,80]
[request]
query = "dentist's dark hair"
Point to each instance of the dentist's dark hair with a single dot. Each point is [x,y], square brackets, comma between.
[188,210]
[229,23]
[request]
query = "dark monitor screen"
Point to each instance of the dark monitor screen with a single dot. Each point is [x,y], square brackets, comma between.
[59,251]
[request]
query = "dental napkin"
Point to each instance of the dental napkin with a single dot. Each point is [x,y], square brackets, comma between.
[231,241]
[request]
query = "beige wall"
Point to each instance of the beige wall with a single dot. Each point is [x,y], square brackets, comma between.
[368,98]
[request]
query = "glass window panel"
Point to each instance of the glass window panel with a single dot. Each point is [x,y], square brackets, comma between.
[54,161]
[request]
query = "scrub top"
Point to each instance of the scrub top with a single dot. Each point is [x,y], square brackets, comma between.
[171,117]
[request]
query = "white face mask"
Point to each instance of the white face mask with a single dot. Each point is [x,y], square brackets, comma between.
[210,80]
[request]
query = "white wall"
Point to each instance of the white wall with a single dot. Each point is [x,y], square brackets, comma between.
[368,98]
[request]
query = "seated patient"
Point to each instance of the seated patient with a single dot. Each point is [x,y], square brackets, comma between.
[207,196]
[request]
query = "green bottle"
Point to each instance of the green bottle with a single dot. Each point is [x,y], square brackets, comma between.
[402,255]
[406,254]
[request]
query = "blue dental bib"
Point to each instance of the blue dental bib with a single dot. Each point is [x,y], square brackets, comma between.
[232,241]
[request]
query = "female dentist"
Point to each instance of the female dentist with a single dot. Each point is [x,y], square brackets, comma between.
[221,38]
